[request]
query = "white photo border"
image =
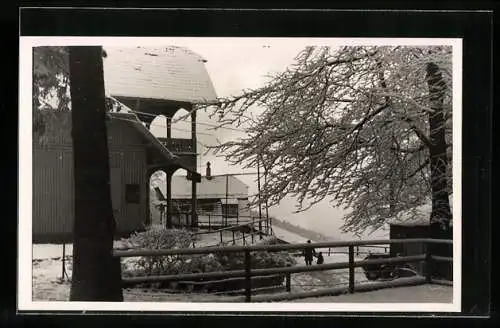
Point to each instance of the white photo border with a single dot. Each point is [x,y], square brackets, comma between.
[25,302]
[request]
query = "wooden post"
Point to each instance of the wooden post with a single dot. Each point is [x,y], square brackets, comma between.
[329,251]
[234,241]
[357,250]
[238,215]
[194,204]
[244,241]
[428,266]
[248,277]
[253,228]
[194,200]
[221,236]
[168,182]
[227,193]
[260,207]
[288,282]
[63,261]
[351,269]
[268,220]
[208,222]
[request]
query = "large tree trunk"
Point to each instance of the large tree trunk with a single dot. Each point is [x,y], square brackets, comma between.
[441,214]
[96,275]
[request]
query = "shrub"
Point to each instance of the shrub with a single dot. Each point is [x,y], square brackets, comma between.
[159,238]
[258,260]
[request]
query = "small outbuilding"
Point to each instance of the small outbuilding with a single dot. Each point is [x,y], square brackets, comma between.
[415,224]
[222,201]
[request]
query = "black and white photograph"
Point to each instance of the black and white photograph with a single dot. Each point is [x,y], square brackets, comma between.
[227,173]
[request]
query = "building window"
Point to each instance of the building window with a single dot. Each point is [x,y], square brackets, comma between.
[232,210]
[207,207]
[132,193]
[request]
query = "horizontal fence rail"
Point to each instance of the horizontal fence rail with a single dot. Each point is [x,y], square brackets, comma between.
[272,248]
[249,274]
[271,271]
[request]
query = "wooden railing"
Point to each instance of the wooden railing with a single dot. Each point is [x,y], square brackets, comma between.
[251,225]
[178,146]
[248,273]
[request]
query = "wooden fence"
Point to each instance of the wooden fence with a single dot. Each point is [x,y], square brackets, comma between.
[247,237]
[248,273]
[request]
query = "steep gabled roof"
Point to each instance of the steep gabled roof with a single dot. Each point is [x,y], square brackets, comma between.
[163,73]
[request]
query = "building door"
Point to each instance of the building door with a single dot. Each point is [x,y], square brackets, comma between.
[116,194]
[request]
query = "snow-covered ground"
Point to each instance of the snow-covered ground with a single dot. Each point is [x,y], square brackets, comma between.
[49,285]
[412,294]
[289,236]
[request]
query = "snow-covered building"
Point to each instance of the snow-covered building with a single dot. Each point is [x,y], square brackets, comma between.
[221,201]
[166,81]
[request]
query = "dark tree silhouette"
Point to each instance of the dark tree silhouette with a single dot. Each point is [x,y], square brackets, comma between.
[96,275]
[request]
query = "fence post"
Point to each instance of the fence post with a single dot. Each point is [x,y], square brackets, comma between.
[209,222]
[329,251]
[221,236]
[428,265]
[253,229]
[357,250]
[248,277]
[244,240]
[234,241]
[351,269]
[288,282]
[63,261]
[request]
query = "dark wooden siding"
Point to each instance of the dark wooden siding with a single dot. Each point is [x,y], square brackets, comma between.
[52,191]
[53,209]
[401,232]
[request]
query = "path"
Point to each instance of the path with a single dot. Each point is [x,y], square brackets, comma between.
[413,294]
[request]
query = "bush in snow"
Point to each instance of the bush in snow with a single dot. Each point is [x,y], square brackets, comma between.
[268,240]
[258,260]
[158,238]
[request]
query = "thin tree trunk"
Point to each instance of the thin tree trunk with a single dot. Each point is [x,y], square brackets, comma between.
[96,275]
[441,213]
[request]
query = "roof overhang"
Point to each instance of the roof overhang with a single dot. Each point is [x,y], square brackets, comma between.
[157,146]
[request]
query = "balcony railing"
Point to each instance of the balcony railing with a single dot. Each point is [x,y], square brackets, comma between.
[178,146]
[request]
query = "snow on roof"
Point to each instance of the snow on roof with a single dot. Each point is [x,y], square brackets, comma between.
[166,73]
[418,216]
[213,188]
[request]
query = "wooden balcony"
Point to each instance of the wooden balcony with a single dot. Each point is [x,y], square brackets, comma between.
[178,146]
